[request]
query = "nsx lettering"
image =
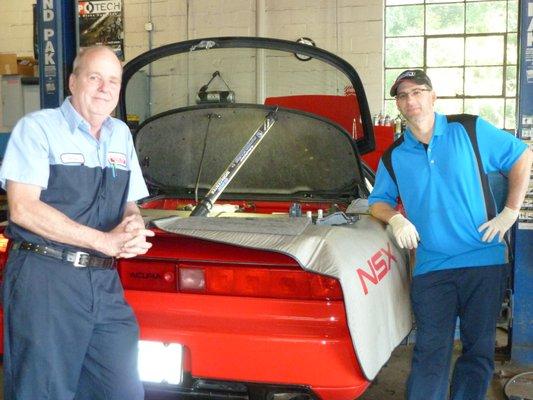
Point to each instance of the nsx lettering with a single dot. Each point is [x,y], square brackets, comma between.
[379,266]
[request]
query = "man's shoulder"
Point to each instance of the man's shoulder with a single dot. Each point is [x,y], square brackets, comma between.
[119,126]
[45,116]
[120,134]
[395,145]
[44,121]
[460,126]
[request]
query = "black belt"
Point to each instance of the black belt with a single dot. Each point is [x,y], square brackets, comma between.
[79,259]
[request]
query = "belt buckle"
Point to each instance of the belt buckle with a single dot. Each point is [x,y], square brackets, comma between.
[77,258]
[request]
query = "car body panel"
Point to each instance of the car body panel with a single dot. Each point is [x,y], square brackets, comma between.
[225,342]
[374,278]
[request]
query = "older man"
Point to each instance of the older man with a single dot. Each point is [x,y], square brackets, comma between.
[461,260]
[72,179]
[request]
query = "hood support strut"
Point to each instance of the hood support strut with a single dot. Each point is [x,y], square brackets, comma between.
[203,208]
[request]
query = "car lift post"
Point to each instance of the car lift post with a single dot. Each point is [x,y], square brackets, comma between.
[522,328]
[57,36]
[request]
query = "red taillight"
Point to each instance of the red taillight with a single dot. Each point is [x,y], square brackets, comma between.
[227,280]
[268,282]
[4,246]
[192,279]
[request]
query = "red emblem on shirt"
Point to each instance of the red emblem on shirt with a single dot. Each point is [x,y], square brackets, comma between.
[117,159]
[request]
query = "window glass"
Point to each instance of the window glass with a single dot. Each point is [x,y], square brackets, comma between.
[449,106]
[512,16]
[484,50]
[467,47]
[445,18]
[404,52]
[391,109]
[483,81]
[390,77]
[447,81]
[510,81]
[512,49]
[439,54]
[485,17]
[490,109]
[444,1]
[401,2]
[510,113]
[405,21]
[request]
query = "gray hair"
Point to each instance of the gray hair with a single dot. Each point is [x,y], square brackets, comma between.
[84,52]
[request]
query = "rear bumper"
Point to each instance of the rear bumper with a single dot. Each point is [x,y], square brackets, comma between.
[292,343]
[201,389]
[248,391]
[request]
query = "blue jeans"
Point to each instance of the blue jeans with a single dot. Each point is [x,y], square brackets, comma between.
[473,294]
[68,333]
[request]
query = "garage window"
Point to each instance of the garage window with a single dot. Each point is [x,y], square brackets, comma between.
[467,47]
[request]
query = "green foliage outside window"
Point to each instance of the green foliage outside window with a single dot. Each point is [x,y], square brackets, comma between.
[467,47]
[444,19]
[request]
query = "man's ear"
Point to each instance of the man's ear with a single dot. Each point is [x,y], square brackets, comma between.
[71,82]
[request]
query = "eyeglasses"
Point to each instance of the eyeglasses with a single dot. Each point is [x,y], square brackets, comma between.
[416,93]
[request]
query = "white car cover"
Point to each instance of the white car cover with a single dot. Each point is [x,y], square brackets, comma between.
[372,271]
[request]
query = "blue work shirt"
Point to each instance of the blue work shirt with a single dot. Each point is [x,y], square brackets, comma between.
[86,179]
[441,192]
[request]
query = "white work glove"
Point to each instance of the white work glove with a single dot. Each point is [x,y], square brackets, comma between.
[404,231]
[499,224]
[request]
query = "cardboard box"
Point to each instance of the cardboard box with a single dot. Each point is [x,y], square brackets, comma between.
[8,64]
[27,66]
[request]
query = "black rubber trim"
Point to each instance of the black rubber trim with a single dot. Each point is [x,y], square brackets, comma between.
[203,389]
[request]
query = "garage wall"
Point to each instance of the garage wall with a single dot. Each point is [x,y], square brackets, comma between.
[352,29]
[16,29]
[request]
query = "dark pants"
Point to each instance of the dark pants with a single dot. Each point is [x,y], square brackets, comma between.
[474,295]
[69,334]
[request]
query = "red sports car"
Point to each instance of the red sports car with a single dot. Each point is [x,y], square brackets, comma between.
[279,286]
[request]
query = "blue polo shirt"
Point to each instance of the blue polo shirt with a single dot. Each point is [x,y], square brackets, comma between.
[88,180]
[442,194]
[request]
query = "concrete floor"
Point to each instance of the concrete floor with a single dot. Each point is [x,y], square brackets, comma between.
[390,382]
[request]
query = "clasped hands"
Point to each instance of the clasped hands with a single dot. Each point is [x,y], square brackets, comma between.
[128,239]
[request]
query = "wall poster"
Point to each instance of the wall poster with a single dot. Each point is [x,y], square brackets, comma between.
[101,22]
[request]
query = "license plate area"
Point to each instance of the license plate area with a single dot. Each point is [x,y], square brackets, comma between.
[160,362]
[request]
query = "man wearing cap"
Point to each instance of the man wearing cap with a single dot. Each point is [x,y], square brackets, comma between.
[461,260]
[72,178]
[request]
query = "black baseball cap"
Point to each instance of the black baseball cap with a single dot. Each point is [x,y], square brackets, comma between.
[415,75]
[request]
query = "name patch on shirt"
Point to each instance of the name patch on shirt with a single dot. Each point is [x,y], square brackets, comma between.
[72,158]
[117,159]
